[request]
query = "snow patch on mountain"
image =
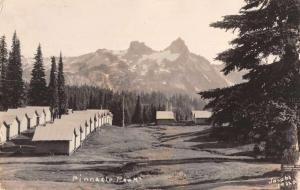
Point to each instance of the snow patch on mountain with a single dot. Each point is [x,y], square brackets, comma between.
[205,76]
[159,57]
[140,68]
[164,70]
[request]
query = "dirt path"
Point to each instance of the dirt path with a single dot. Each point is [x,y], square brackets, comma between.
[165,157]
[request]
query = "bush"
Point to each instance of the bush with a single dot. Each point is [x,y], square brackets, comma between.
[290,156]
[233,134]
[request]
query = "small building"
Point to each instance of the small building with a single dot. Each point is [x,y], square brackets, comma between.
[201,117]
[32,116]
[62,137]
[86,129]
[54,140]
[81,134]
[91,124]
[24,123]
[110,118]
[101,116]
[43,112]
[9,127]
[165,118]
[106,117]
[42,117]
[47,113]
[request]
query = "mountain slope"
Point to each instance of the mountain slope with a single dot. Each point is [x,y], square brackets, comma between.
[140,68]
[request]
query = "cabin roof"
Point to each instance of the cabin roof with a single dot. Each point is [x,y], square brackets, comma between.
[63,129]
[201,114]
[53,134]
[165,115]
[30,111]
[38,109]
[19,113]
[6,117]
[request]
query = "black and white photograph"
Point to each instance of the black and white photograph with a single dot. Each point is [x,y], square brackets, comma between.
[149,94]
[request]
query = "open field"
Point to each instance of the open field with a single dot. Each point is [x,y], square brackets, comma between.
[156,157]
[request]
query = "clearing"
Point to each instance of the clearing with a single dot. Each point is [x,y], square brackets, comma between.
[153,157]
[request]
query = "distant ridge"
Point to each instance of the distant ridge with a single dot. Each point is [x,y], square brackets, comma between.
[140,68]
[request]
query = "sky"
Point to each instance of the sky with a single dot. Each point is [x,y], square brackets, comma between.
[76,27]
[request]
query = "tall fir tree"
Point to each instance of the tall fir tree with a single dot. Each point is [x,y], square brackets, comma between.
[62,99]
[146,113]
[267,32]
[37,94]
[153,113]
[14,82]
[3,67]
[137,117]
[53,89]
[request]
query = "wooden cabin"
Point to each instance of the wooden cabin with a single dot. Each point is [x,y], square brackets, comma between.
[201,117]
[32,116]
[51,140]
[20,114]
[9,127]
[43,112]
[165,118]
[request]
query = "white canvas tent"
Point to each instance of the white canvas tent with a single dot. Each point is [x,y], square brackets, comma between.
[24,123]
[9,126]
[43,112]
[31,115]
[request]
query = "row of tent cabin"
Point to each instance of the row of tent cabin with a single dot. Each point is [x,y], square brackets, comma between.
[67,134]
[15,121]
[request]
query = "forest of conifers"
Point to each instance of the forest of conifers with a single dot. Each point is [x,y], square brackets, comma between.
[138,107]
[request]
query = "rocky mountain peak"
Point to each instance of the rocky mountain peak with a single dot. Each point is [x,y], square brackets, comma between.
[178,46]
[176,70]
[138,48]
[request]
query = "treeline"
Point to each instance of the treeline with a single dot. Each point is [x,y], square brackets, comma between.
[14,92]
[139,108]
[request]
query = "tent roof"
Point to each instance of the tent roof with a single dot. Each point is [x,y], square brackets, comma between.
[19,113]
[63,129]
[53,134]
[165,115]
[201,114]
[30,111]
[6,117]
[38,109]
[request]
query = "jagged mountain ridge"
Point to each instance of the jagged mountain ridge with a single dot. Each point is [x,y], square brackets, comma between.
[140,68]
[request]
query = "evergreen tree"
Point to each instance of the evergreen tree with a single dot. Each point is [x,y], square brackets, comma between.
[145,115]
[266,29]
[78,99]
[14,81]
[137,115]
[52,89]
[37,94]
[62,99]
[3,66]
[153,113]
[116,109]
[126,114]
[91,101]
